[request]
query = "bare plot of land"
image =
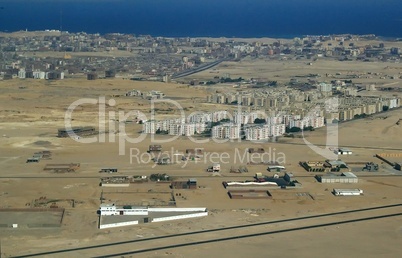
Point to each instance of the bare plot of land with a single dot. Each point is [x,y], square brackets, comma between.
[31,218]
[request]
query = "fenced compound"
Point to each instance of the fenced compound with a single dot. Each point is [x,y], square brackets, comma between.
[62,168]
[31,217]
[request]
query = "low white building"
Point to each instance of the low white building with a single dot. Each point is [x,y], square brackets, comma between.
[345,177]
[347,192]
[342,151]
[111,209]
[112,216]
[216,167]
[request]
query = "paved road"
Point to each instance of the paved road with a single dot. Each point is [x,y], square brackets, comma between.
[208,176]
[197,69]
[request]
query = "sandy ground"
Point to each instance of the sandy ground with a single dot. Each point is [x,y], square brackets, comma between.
[283,70]
[29,121]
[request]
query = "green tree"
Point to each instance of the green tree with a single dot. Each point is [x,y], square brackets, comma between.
[260,121]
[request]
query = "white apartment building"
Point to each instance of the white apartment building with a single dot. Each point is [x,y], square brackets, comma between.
[273,120]
[176,129]
[257,132]
[22,74]
[187,129]
[246,117]
[150,126]
[393,103]
[263,132]
[226,131]
[277,130]
[317,122]
[200,127]
[324,87]
[219,115]
[215,116]
[298,123]
[241,118]
[314,121]
[199,118]
[39,75]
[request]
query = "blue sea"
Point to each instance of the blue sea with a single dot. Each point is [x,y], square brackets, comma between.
[212,18]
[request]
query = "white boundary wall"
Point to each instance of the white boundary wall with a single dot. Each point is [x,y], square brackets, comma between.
[120,224]
[175,209]
[194,215]
[115,185]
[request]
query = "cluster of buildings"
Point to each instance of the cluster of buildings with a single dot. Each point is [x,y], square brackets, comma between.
[264,132]
[263,98]
[300,104]
[226,131]
[196,123]
[153,94]
[173,127]
[225,125]
[153,58]
[352,107]
[50,75]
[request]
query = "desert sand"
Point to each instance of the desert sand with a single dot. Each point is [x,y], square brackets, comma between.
[31,116]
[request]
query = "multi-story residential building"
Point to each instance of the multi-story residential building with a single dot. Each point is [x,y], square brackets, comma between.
[298,123]
[22,74]
[219,115]
[39,75]
[199,117]
[241,118]
[277,130]
[317,122]
[226,131]
[257,132]
[187,129]
[273,120]
[150,126]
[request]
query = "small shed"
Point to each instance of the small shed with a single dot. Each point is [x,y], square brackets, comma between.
[33,160]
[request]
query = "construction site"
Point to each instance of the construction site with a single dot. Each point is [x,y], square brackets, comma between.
[62,168]
[147,194]
[37,156]
[392,159]
[249,194]
[324,166]
[122,181]
[76,132]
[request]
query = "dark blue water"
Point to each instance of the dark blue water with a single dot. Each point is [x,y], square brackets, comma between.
[214,18]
